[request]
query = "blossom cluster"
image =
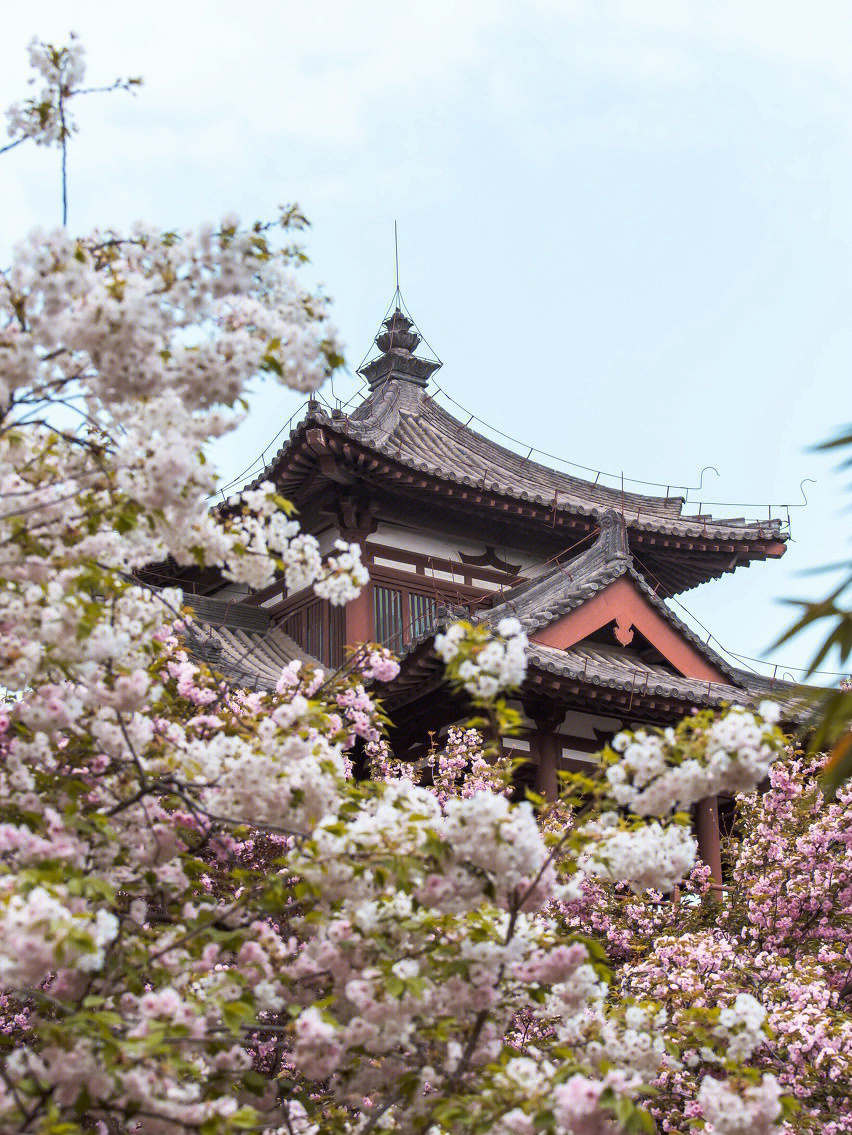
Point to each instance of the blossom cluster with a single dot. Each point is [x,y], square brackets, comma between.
[650,856]
[661,771]
[757,974]
[481,663]
[261,540]
[751,1110]
[378,664]
[62,71]
[44,928]
[461,766]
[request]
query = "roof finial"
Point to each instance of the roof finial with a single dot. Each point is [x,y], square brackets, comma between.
[398,340]
[396,257]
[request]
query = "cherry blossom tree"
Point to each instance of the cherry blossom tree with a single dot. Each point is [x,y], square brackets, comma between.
[776,953]
[46,118]
[207,924]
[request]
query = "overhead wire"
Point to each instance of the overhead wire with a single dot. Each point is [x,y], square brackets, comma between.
[733,653]
[261,456]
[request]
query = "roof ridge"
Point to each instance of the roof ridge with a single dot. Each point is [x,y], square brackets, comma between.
[382,420]
[694,690]
[546,598]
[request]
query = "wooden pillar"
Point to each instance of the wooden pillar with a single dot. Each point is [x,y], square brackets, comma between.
[709,841]
[359,613]
[359,618]
[549,752]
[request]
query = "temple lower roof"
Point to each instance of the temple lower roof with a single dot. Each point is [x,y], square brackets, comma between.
[241,643]
[595,677]
[564,588]
[601,666]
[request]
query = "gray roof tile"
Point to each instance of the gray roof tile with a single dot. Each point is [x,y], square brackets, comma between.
[240,643]
[612,667]
[599,665]
[401,420]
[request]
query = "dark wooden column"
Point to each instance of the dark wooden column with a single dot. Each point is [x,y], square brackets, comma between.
[359,613]
[549,751]
[355,515]
[709,840]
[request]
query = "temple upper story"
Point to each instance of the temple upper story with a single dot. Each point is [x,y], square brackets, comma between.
[453,524]
[400,442]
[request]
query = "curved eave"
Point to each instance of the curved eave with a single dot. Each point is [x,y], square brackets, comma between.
[554,676]
[673,554]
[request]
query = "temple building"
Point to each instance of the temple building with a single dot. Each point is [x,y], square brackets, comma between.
[450,521]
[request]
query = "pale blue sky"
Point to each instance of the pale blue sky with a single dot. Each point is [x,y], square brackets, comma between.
[625,228]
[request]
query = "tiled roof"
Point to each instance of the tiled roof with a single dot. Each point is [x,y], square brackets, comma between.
[240,643]
[567,586]
[596,666]
[227,613]
[600,665]
[401,438]
[540,601]
[400,420]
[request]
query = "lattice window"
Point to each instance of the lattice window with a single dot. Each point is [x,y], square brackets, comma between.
[400,614]
[319,629]
[421,613]
[387,616]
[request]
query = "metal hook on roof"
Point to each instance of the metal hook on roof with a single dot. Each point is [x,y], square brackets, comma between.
[802,483]
[707,469]
[697,488]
